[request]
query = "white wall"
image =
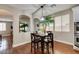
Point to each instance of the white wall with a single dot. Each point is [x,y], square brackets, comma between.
[20,38]
[65,37]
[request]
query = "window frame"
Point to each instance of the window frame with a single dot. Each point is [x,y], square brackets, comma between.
[62,23]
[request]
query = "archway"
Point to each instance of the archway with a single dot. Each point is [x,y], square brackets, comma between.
[24,23]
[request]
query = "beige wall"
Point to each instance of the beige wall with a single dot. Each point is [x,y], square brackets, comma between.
[66,37]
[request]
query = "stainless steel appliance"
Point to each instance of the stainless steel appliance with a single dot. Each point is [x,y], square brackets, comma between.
[76,34]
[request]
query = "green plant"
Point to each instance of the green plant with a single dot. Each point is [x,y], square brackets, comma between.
[23,26]
[47,21]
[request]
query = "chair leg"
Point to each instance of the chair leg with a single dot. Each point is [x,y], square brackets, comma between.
[47,47]
[52,47]
[31,47]
[37,47]
[34,47]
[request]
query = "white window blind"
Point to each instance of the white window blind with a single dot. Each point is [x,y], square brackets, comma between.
[49,27]
[58,23]
[2,26]
[62,23]
[65,23]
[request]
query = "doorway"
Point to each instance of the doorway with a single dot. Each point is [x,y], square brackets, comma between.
[6,31]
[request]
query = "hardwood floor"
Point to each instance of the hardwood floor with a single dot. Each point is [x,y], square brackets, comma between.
[24,49]
[5,45]
[59,48]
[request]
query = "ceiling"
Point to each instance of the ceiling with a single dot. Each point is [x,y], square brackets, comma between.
[4,12]
[30,8]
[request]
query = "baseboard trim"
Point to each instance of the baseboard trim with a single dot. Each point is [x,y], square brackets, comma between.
[21,44]
[54,40]
[75,48]
[68,43]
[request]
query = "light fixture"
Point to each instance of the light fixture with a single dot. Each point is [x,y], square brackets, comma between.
[42,18]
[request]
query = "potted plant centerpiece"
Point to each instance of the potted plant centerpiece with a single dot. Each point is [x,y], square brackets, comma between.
[47,20]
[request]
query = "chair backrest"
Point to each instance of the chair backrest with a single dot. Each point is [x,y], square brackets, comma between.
[0,37]
[35,36]
[32,36]
[49,37]
[49,31]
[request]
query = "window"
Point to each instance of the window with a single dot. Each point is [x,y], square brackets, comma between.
[65,22]
[58,23]
[2,26]
[49,27]
[62,23]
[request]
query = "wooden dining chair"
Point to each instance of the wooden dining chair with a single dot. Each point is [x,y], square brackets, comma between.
[49,40]
[0,39]
[35,39]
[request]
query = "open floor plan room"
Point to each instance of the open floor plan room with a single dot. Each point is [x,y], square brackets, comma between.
[39,29]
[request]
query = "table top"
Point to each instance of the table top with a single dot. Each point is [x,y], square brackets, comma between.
[42,34]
